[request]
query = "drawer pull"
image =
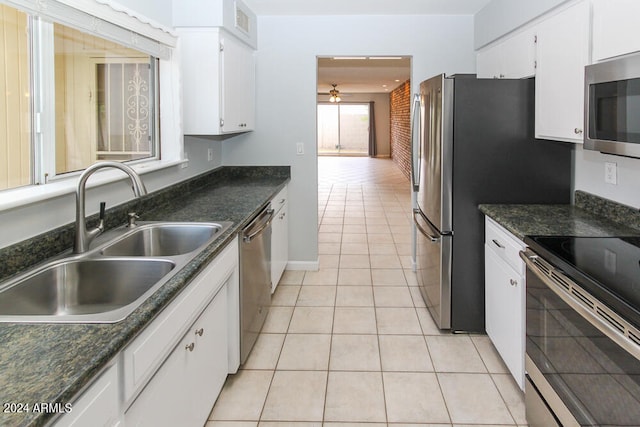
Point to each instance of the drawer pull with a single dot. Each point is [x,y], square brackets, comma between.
[190,347]
[495,242]
[199,332]
[513,282]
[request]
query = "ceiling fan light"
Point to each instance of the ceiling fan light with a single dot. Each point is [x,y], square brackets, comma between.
[338,99]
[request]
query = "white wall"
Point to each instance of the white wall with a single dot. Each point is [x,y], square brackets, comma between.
[157,10]
[589,176]
[286,91]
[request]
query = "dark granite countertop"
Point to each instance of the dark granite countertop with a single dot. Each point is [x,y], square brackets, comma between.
[590,216]
[53,362]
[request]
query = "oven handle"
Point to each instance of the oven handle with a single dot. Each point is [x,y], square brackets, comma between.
[596,315]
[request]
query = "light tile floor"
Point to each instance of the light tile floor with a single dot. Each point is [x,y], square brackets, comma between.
[353,342]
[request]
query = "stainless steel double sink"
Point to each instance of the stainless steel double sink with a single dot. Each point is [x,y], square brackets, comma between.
[106,284]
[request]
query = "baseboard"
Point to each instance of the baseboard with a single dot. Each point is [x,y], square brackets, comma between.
[304,265]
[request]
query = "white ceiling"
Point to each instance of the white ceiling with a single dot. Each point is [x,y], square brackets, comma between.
[366,7]
[367,75]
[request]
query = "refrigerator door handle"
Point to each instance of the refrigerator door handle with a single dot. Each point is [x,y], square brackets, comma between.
[416,213]
[415,143]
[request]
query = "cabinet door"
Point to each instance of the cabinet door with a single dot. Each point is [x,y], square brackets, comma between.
[562,53]
[513,58]
[615,28]
[209,365]
[504,305]
[238,86]
[185,388]
[99,405]
[201,73]
[489,63]
[279,246]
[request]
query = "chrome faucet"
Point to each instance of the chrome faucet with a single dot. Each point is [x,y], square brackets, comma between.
[84,236]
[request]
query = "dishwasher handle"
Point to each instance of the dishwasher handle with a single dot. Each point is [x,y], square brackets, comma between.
[258,225]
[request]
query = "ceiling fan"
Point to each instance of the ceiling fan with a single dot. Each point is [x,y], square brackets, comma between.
[334,94]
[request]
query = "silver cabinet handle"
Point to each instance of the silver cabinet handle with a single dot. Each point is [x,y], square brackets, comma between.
[495,242]
[577,131]
[199,332]
[190,347]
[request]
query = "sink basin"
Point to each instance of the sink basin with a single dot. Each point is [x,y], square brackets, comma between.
[163,239]
[106,284]
[68,290]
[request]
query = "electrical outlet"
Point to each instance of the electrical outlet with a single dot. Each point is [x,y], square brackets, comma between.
[299,148]
[210,154]
[611,173]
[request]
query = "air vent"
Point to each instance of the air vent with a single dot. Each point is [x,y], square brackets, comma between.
[635,338]
[609,319]
[583,297]
[542,266]
[561,281]
[242,20]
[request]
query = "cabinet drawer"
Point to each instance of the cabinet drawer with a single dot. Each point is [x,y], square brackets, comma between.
[504,244]
[145,354]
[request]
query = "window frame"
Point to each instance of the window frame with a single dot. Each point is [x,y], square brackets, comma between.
[116,24]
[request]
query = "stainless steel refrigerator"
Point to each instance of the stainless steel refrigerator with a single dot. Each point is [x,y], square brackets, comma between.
[473,143]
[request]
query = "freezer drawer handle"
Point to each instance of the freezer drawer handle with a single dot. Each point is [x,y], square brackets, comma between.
[422,230]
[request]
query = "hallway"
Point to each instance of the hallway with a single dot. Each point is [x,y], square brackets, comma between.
[353,342]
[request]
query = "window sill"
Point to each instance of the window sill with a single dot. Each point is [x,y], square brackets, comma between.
[10,199]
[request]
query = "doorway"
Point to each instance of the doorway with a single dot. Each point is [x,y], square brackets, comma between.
[344,129]
[357,106]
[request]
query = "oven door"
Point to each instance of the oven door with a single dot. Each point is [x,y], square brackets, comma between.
[582,372]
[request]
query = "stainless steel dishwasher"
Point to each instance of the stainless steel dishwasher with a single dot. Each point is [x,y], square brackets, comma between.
[255,279]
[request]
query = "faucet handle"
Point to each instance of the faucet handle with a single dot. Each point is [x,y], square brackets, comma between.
[103,205]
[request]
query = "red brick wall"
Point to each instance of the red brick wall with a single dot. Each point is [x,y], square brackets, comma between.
[400,112]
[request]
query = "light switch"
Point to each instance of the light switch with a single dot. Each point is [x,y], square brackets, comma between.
[299,148]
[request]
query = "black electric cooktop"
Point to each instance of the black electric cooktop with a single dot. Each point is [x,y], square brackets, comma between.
[607,267]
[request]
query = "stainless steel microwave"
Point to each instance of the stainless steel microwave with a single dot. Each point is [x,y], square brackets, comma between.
[612,106]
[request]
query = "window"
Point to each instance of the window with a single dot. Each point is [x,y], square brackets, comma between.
[71,98]
[104,101]
[15,114]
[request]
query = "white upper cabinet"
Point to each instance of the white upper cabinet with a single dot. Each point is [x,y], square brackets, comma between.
[513,58]
[615,28]
[562,53]
[217,40]
[218,82]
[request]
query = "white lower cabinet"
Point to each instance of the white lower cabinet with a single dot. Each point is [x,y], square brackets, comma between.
[98,406]
[172,372]
[279,237]
[183,390]
[505,297]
